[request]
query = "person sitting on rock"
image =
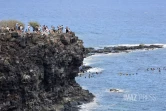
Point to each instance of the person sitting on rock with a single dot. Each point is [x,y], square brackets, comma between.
[7,28]
[12,29]
[21,28]
[2,29]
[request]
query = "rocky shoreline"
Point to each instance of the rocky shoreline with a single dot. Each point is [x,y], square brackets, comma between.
[116,49]
[37,72]
[119,49]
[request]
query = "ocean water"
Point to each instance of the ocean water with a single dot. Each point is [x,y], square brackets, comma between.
[102,23]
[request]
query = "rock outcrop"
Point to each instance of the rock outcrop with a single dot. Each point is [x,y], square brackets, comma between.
[37,72]
[118,49]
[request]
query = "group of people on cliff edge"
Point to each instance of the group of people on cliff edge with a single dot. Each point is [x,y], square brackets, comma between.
[45,29]
[37,29]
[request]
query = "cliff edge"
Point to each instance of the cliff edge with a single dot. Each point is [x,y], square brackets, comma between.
[37,72]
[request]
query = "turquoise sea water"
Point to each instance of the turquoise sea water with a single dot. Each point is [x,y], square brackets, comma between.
[110,22]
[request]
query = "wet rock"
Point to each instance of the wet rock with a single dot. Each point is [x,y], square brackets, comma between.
[84,68]
[116,90]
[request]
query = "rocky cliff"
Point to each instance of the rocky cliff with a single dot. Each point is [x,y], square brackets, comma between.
[37,72]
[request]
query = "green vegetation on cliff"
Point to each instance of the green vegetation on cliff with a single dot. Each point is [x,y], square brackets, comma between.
[10,23]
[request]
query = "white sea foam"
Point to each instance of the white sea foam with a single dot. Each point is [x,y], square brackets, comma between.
[91,59]
[87,61]
[96,69]
[164,45]
[101,47]
[117,53]
[89,106]
[84,87]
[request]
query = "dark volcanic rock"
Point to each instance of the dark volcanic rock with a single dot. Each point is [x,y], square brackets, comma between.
[118,49]
[84,68]
[37,72]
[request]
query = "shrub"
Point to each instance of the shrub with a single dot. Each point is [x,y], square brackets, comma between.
[10,23]
[33,24]
[141,45]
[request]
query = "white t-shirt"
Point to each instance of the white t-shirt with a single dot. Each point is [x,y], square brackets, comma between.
[7,28]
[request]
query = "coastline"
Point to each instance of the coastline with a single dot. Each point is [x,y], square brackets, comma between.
[91,61]
[40,70]
[123,48]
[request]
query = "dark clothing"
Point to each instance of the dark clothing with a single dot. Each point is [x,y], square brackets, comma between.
[67,30]
[18,27]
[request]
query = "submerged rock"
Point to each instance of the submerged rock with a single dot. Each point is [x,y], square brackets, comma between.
[116,90]
[84,68]
[37,72]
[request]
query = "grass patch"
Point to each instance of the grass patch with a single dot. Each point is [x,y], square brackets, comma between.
[33,24]
[10,23]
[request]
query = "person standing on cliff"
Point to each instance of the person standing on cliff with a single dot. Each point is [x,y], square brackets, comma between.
[58,29]
[18,29]
[44,28]
[47,29]
[53,29]
[29,28]
[16,26]
[39,28]
[67,30]
[61,28]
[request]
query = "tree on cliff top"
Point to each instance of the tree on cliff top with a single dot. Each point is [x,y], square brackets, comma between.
[10,23]
[33,24]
